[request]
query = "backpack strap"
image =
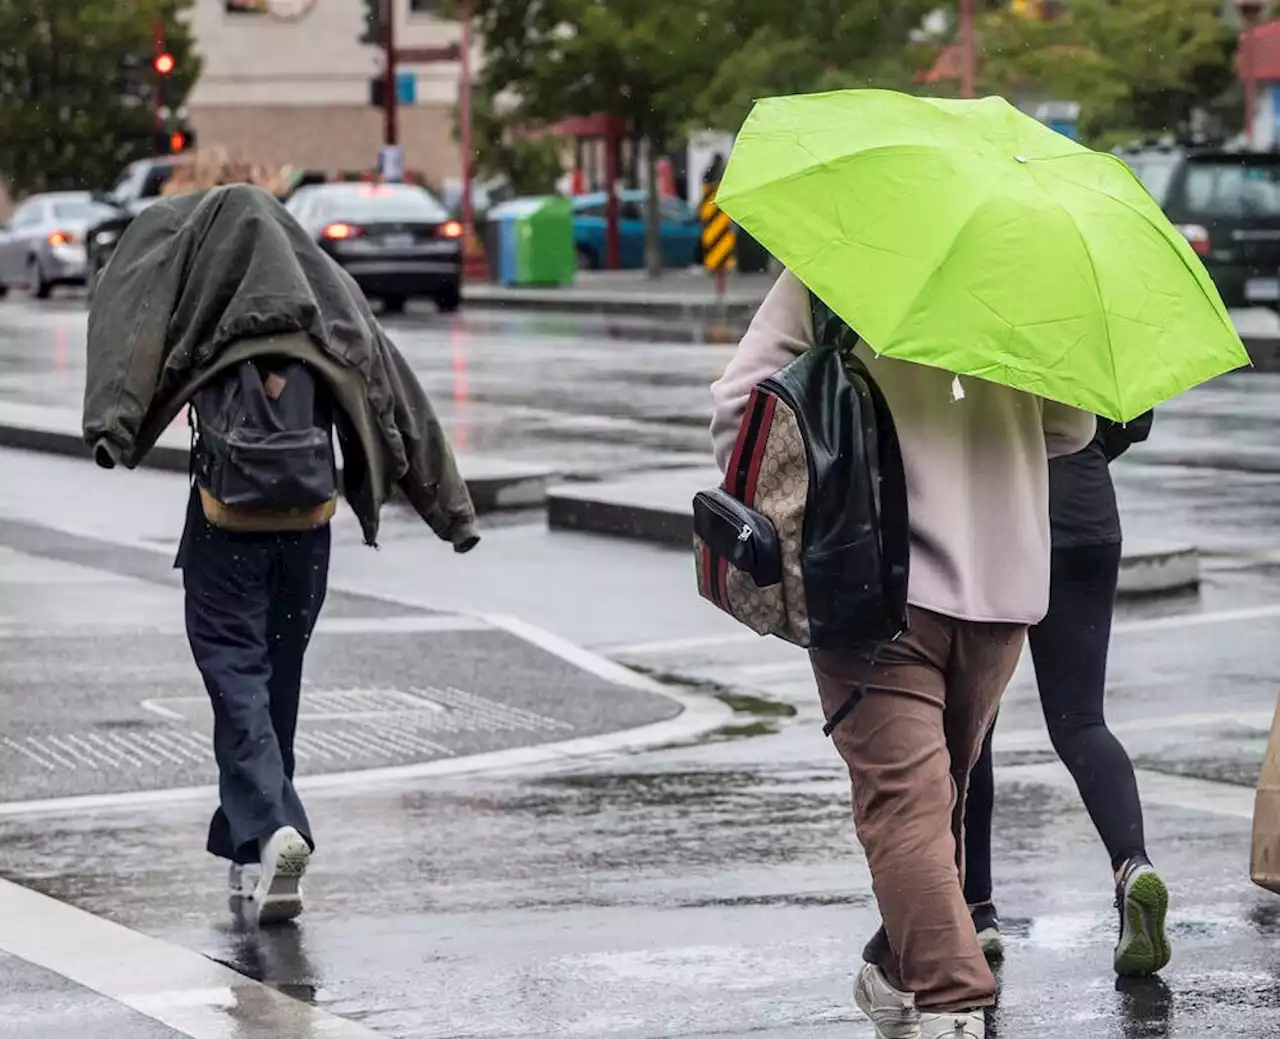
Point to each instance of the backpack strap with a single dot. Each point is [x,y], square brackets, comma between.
[889,515]
[891,518]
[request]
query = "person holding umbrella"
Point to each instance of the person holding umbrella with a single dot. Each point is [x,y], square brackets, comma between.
[1007,284]
[1069,650]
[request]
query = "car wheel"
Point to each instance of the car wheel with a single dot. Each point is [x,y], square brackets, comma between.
[587,259]
[4,290]
[393,304]
[448,301]
[40,288]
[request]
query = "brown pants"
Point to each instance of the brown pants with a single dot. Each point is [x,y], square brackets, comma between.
[909,745]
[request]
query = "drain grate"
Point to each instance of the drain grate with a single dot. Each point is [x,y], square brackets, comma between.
[338,728]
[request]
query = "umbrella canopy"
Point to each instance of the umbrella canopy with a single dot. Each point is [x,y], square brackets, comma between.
[968,236]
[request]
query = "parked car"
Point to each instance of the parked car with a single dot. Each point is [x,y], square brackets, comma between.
[143,182]
[396,240]
[43,244]
[681,234]
[139,184]
[1227,205]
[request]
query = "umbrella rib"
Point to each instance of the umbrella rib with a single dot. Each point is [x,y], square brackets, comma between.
[1153,224]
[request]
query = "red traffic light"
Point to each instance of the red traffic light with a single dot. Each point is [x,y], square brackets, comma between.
[164,64]
[177,141]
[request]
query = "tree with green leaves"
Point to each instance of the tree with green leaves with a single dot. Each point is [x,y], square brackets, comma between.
[1138,67]
[529,161]
[643,61]
[78,94]
[665,66]
[812,45]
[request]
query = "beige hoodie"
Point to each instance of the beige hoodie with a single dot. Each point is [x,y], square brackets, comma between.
[977,467]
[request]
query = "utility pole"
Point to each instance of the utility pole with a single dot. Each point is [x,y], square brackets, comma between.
[159,53]
[390,134]
[967,56]
[1250,13]
[464,116]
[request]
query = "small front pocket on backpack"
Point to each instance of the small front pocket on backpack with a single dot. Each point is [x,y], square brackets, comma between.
[739,561]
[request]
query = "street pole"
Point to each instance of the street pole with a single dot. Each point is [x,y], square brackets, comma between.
[389,99]
[1250,74]
[967,56]
[464,117]
[157,38]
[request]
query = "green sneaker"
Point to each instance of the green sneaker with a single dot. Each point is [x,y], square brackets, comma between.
[1143,903]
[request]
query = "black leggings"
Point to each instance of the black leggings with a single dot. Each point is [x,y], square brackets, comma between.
[1069,650]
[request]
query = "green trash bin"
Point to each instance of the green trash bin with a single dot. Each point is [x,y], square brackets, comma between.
[535,241]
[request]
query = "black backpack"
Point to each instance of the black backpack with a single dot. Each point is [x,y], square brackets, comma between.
[270,450]
[807,538]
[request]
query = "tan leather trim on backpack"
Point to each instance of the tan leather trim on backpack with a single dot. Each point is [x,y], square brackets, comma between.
[262,521]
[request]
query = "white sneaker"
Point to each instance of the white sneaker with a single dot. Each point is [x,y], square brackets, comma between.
[971,1024]
[893,1013]
[270,892]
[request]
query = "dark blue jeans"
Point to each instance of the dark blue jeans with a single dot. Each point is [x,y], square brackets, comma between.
[252,603]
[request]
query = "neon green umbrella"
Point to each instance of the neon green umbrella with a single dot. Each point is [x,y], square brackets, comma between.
[968,236]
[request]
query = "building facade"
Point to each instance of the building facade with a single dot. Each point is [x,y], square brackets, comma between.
[297,90]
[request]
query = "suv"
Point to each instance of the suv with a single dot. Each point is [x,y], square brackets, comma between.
[1227,205]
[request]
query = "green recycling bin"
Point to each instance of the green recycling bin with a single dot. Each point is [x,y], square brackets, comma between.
[535,241]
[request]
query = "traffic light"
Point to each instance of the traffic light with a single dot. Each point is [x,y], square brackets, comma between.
[164,63]
[175,138]
[373,28]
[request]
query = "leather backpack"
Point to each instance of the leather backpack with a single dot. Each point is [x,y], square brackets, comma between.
[807,538]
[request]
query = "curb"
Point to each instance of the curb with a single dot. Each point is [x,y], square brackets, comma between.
[731,312]
[494,485]
[1146,570]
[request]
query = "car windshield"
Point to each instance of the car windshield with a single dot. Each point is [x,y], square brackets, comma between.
[1232,188]
[1156,173]
[80,211]
[379,205]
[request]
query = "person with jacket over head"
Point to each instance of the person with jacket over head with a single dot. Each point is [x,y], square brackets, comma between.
[976,460]
[219,301]
[1069,650]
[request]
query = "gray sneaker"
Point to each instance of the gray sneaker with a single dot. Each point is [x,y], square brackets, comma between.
[1143,903]
[972,1024]
[893,1013]
[270,892]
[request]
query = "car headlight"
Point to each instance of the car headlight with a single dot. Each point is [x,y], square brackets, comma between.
[105,237]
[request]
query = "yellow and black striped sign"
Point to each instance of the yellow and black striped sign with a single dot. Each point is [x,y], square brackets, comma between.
[718,236]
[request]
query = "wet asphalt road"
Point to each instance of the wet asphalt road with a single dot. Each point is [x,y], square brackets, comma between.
[712,889]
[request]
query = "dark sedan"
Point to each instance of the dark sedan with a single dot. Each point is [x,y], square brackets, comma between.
[395,240]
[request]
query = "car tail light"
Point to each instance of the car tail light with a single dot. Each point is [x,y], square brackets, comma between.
[62,238]
[452,229]
[1197,236]
[340,231]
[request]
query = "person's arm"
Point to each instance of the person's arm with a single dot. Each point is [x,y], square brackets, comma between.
[1066,429]
[781,330]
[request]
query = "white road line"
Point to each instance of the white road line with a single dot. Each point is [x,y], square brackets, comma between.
[1196,620]
[1196,795]
[184,990]
[42,749]
[1132,627]
[34,757]
[124,753]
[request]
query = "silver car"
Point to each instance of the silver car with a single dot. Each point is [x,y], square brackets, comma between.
[42,245]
